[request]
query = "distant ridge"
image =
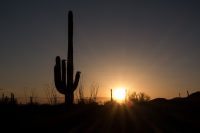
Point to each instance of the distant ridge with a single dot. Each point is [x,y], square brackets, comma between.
[194,97]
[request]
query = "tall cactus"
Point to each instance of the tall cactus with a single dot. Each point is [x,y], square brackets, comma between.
[60,69]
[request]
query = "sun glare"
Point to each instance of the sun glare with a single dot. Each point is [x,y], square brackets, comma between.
[119,94]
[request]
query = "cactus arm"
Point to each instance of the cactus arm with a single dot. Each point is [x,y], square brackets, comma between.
[63,72]
[57,77]
[57,70]
[77,77]
[58,84]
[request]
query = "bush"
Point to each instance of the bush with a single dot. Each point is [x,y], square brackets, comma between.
[139,97]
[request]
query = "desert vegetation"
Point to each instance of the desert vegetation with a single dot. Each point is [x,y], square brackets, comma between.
[136,112]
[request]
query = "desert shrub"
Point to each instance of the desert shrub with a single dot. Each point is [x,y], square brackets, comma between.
[93,92]
[80,96]
[139,97]
[51,94]
[8,100]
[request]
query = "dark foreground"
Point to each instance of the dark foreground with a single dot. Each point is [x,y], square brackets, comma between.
[159,115]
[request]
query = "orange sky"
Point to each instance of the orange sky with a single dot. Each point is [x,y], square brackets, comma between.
[144,46]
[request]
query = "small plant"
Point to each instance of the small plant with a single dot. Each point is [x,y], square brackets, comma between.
[139,97]
[93,92]
[80,94]
[30,98]
[13,99]
[188,94]
[6,100]
[51,94]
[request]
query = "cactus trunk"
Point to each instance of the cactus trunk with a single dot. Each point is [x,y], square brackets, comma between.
[70,64]
[60,70]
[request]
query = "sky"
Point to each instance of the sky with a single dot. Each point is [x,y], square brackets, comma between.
[144,46]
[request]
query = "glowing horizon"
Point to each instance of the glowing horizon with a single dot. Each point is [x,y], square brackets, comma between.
[151,48]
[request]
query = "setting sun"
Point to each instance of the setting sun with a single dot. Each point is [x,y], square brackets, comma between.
[119,94]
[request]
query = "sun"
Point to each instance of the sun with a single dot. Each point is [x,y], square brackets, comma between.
[119,94]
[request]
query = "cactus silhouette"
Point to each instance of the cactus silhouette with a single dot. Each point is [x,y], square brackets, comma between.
[12,98]
[60,70]
[111,95]
[188,94]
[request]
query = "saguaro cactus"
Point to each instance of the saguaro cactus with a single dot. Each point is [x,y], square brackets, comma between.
[111,95]
[60,70]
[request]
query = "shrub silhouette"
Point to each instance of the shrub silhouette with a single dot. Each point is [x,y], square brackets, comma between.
[6,100]
[60,71]
[139,97]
